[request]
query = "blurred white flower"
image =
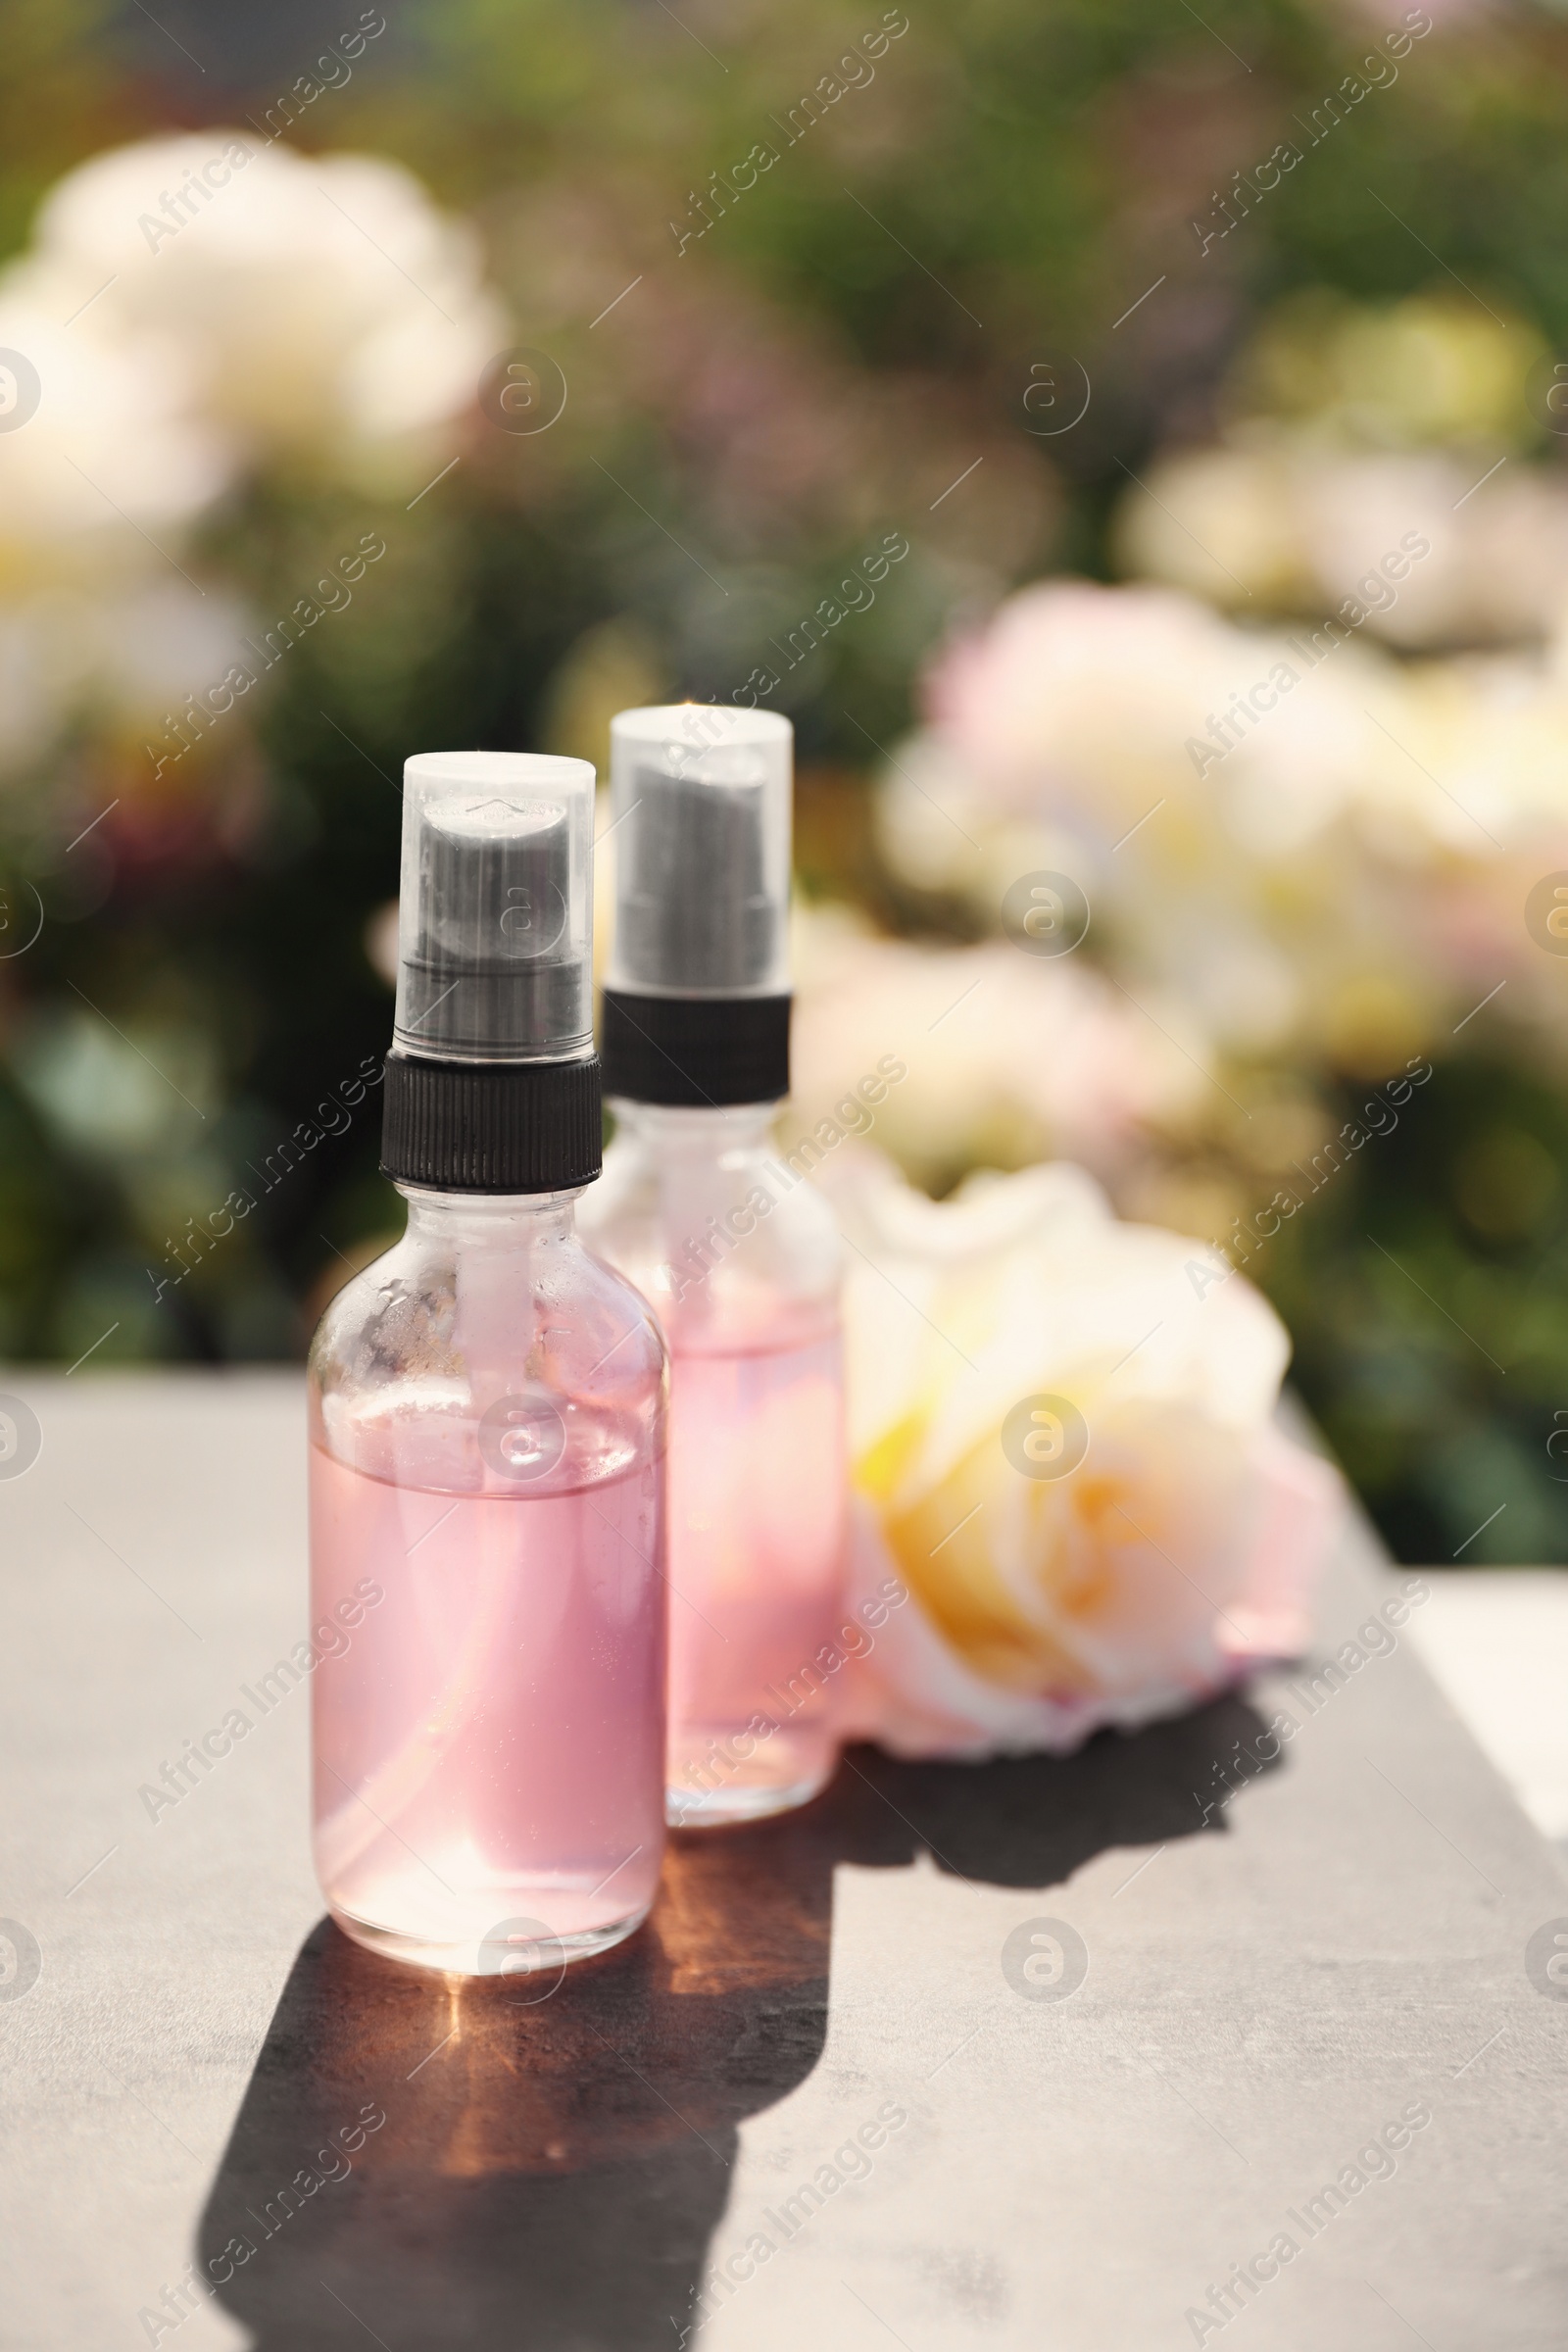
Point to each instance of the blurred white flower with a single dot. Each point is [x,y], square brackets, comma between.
[150,647]
[130,652]
[116,446]
[1287,523]
[1063,1447]
[1351,425]
[1302,843]
[1008,1055]
[324,302]
[190,307]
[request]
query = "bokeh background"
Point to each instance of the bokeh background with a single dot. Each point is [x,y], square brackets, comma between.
[461,373]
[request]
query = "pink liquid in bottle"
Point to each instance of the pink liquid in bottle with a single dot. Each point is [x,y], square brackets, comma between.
[757,1556]
[486,1748]
[487,1502]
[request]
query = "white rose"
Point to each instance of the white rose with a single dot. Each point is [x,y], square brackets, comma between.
[1064,1453]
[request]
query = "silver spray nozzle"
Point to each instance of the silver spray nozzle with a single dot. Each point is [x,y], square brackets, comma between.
[701,823]
[495,924]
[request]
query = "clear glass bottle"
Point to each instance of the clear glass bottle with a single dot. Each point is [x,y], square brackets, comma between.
[738,1253]
[487,1407]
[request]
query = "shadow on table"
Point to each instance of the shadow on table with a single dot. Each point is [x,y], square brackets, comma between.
[548,2171]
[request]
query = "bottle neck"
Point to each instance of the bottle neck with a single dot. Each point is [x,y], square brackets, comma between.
[671,1132]
[491,1220]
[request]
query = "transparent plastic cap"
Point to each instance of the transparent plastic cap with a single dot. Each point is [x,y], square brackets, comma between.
[701,815]
[495,920]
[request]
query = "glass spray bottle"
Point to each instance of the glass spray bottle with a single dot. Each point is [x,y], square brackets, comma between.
[487,1433]
[737,1252]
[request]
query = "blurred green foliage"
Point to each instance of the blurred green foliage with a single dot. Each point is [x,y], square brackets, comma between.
[1426,1290]
[59,99]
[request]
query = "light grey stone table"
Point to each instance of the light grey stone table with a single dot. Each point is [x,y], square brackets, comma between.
[847,2085]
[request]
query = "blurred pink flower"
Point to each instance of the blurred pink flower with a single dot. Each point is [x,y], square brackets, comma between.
[1070,681]
[970,1025]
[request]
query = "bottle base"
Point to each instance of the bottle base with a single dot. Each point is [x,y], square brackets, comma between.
[693,1809]
[540,1962]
